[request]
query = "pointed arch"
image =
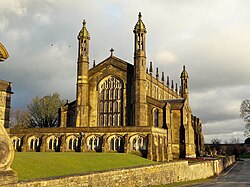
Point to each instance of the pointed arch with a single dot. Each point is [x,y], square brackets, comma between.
[111,91]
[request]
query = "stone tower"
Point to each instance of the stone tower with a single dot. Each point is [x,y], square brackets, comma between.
[140,72]
[184,83]
[82,119]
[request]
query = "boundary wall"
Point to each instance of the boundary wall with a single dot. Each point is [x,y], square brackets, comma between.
[155,174]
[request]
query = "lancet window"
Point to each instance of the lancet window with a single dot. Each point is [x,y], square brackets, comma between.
[116,144]
[95,143]
[33,143]
[155,117]
[139,143]
[72,142]
[53,143]
[111,102]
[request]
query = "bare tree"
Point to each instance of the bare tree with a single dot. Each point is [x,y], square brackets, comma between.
[44,111]
[20,119]
[234,140]
[216,146]
[216,141]
[235,148]
[245,115]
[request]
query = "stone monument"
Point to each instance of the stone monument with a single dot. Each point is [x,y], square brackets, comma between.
[7,175]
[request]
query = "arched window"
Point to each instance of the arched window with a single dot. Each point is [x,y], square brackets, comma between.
[155,117]
[75,144]
[50,144]
[94,143]
[70,144]
[110,102]
[31,144]
[134,144]
[116,144]
[53,143]
[139,143]
[16,143]
[36,143]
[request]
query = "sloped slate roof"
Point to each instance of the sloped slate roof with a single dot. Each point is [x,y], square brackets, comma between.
[112,60]
[175,103]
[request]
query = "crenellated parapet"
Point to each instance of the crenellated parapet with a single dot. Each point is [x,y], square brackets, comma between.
[158,88]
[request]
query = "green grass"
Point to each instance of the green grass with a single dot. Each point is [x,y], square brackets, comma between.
[31,165]
[246,155]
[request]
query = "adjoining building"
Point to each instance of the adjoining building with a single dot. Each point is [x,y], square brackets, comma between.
[121,107]
[8,176]
[5,93]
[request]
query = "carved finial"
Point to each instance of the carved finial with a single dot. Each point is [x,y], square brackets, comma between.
[176,88]
[151,68]
[139,16]
[184,74]
[168,81]
[172,85]
[162,77]
[84,23]
[157,73]
[111,51]
[93,63]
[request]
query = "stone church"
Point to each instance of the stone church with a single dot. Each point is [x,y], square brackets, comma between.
[121,107]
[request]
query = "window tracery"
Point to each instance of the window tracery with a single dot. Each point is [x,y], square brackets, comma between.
[95,143]
[111,102]
[139,143]
[116,144]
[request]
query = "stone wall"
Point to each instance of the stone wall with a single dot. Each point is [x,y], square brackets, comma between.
[156,174]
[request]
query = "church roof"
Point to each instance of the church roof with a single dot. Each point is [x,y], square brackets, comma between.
[113,61]
[176,103]
[155,102]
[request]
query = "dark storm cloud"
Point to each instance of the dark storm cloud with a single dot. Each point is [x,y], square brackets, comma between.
[210,37]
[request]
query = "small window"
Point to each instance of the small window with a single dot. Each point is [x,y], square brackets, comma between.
[155,118]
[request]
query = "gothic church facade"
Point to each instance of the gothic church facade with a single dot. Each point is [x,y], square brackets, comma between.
[121,107]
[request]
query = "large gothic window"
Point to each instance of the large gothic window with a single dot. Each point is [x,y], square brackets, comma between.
[111,102]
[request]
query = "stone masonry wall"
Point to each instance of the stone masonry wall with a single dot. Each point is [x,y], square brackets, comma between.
[156,174]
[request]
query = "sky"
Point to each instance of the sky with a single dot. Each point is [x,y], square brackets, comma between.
[210,37]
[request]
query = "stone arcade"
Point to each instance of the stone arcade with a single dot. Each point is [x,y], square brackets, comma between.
[121,107]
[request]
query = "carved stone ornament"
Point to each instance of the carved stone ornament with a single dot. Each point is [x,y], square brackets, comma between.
[6,150]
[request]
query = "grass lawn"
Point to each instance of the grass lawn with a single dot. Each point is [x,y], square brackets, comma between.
[31,165]
[246,155]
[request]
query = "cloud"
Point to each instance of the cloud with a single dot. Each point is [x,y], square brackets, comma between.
[18,7]
[210,37]
[165,57]
[42,18]
[3,23]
